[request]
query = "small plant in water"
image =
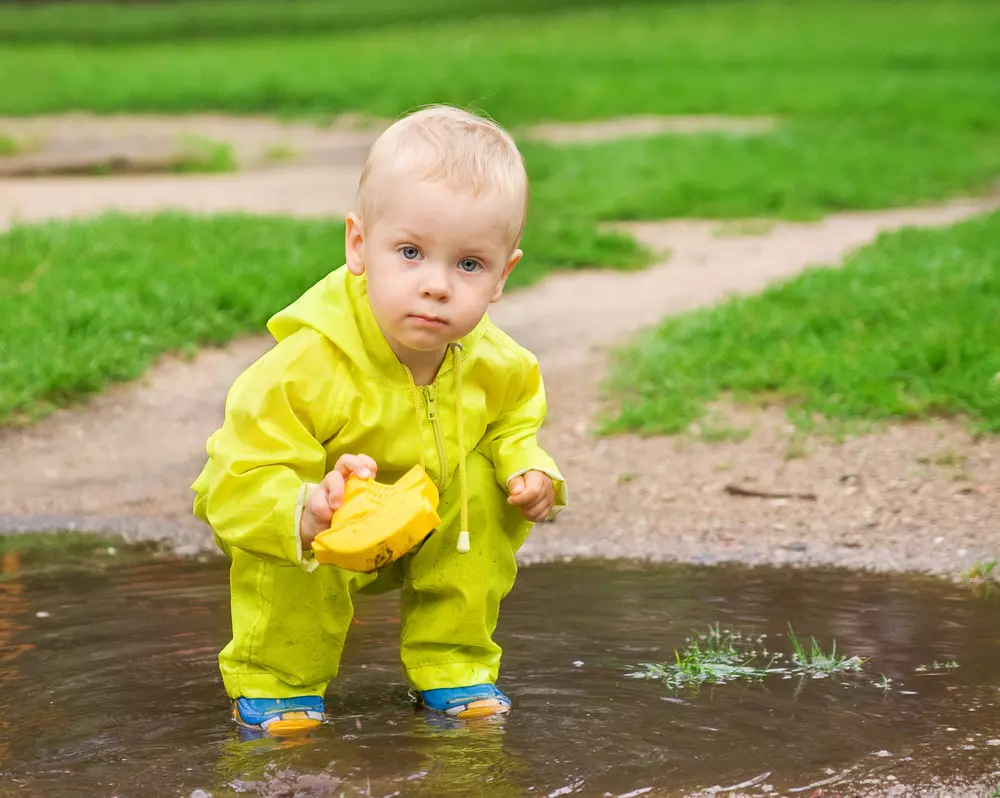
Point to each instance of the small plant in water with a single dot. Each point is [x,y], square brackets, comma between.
[980,571]
[715,657]
[719,656]
[817,662]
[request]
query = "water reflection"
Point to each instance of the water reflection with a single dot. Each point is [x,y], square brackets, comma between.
[12,606]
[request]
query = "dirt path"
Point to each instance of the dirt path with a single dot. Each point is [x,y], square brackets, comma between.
[298,168]
[914,496]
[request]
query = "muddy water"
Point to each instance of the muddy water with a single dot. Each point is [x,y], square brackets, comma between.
[108,686]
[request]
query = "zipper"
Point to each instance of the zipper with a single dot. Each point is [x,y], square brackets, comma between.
[430,395]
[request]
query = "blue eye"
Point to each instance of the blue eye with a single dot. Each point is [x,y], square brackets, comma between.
[410,253]
[469,265]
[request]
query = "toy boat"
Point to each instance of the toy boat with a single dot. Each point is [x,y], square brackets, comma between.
[379,523]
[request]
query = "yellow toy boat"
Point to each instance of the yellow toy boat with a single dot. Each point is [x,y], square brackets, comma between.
[379,523]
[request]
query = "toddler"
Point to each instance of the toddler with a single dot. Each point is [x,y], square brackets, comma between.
[389,361]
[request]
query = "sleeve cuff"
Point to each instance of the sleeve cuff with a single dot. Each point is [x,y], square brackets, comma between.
[306,560]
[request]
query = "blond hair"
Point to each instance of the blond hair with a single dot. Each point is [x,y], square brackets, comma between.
[459,148]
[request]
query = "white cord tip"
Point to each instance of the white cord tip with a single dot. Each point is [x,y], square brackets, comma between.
[463,542]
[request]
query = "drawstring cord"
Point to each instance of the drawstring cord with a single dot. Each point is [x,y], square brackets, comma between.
[456,350]
[463,535]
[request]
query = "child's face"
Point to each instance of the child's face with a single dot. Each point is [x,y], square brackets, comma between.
[436,258]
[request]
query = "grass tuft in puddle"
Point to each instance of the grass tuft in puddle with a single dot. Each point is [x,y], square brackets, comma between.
[44,552]
[983,578]
[716,657]
[816,662]
[723,656]
[981,570]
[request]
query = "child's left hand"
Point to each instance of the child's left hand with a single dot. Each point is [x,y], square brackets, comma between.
[534,493]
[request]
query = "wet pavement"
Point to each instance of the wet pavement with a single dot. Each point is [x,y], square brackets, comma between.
[109,686]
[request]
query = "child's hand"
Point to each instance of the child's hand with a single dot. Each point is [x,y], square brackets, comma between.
[325,499]
[534,493]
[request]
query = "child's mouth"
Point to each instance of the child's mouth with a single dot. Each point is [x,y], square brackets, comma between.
[428,321]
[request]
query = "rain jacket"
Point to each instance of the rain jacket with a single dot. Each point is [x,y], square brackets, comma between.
[331,386]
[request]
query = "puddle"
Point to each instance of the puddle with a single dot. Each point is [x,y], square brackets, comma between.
[108,686]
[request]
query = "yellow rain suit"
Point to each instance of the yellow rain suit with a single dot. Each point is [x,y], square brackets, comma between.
[331,386]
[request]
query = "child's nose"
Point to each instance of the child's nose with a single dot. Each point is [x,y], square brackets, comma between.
[435,284]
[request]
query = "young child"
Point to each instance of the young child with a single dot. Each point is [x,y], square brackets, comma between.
[387,362]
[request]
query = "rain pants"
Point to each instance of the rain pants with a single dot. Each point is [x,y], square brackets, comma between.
[330,386]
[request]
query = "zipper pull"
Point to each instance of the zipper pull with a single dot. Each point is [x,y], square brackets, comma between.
[431,395]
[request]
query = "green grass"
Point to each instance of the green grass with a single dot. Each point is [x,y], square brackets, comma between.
[814,661]
[194,154]
[723,656]
[199,154]
[868,118]
[715,657]
[801,171]
[7,145]
[980,571]
[88,303]
[908,328]
[113,23]
[821,59]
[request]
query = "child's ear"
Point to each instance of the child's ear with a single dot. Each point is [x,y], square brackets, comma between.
[354,244]
[514,258]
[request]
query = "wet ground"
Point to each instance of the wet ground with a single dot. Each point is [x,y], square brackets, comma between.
[108,686]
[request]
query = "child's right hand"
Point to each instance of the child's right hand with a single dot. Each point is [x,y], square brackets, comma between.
[325,499]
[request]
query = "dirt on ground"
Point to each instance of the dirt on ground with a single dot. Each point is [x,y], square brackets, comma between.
[869,787]
[79,143]
[297,168]
[908,496]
